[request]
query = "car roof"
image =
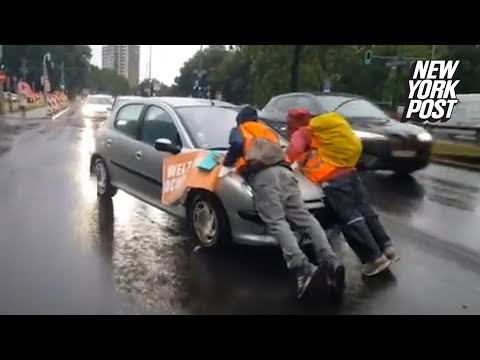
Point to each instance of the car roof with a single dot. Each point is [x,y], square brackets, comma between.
[176,102]
[321,93]
[128,97]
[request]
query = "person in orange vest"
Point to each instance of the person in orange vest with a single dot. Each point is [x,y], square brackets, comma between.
[326,149]
[256,153]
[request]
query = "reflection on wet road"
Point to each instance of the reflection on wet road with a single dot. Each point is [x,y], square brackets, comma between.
[64,251]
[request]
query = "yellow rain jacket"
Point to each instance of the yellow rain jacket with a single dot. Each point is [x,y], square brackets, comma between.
[334,149]
[338,145]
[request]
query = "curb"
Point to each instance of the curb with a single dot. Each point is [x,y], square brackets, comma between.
[457,164]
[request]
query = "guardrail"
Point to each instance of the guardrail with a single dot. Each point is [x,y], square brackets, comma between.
[432,127]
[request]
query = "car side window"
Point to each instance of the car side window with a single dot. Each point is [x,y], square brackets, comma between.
[159,124]
[127,119]
[304,102]
[284,104]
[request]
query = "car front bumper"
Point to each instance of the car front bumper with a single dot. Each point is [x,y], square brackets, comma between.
[381,155]
[249,229]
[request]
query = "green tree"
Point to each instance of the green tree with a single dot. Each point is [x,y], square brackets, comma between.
[226,72]
[75,58]
[165,90]
[107,81]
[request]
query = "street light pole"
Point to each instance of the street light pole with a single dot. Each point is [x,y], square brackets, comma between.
[297,53]
[46,57]
[62,78]
[2,103]
[150,72]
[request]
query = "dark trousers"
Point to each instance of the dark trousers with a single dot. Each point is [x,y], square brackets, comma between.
[347,197]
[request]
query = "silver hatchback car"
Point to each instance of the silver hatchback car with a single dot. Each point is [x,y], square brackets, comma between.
[142,132]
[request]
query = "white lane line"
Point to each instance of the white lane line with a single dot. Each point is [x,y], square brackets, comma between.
[60,114]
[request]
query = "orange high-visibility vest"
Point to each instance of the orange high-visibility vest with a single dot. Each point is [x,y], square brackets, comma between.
[312,166]
[315,169]
[251,130]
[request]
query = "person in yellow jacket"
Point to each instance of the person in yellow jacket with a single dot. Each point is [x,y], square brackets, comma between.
[326,150]
[256,154]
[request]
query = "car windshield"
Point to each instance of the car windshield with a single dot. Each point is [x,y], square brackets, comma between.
[99,100]
[357,107]
[209,126]
[121,101]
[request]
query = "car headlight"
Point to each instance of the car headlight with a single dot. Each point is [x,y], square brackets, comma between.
[369,135]
[424,137]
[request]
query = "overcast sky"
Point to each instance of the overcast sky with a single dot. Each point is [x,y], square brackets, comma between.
[166,60]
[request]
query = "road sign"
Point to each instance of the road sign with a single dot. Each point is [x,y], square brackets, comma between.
[368,57]
[156,86]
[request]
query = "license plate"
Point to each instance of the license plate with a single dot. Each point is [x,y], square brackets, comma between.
[403,153]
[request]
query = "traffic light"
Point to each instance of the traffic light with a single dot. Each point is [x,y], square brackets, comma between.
[368,57]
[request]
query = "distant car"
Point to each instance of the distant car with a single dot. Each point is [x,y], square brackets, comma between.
[387,144]
[96,106]
[465,114]
[142,132]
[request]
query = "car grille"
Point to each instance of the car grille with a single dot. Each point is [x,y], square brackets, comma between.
[404,143]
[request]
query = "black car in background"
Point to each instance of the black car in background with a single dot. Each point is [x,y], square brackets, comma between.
[387,143]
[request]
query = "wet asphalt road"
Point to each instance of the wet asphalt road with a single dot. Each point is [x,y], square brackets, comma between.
[62,251]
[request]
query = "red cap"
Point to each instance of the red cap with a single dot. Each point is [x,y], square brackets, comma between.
[299,113]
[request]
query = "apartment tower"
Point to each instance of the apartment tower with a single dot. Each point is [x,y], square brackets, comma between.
[124,60]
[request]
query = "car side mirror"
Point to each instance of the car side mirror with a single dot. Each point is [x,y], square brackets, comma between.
[166,145]
[109,108]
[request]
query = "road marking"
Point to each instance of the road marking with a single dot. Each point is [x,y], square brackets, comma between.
[60,114]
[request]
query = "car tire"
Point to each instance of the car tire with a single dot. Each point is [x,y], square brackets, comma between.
[104,187]
[208,221]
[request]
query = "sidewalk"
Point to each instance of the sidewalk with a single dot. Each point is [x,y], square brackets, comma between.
[39,113]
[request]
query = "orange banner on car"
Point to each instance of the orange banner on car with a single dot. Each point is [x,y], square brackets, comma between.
[180,173]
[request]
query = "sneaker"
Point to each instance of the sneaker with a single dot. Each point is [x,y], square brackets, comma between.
[335,277]
[304,276]
[376,267]
[391,254]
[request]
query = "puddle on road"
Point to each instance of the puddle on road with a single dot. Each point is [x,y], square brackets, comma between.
[451,193]
[153,266]
[393,194]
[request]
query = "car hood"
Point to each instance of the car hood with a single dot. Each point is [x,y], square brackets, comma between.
[385,126]
[96,107]
[310,192]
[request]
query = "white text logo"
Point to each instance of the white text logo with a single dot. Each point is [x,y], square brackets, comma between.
[431,91]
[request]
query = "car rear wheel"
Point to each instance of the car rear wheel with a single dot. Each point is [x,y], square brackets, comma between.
[208,221]
[104,187]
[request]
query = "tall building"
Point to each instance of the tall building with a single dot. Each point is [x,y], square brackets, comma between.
[124,60]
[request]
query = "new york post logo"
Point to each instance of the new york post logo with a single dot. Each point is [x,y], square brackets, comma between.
[431,91]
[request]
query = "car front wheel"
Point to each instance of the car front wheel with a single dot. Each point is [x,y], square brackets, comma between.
[104,187]
[208,221]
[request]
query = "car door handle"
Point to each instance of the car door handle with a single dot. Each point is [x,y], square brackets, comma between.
[108,142]
[138,155]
